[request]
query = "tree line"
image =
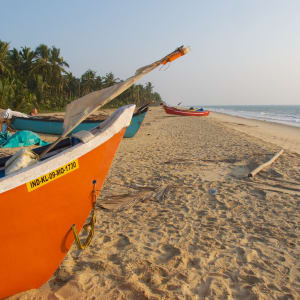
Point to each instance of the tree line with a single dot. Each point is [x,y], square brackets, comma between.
[38,78]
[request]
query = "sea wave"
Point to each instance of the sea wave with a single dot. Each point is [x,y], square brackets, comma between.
[288,115]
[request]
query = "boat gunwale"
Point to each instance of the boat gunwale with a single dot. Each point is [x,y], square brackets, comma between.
[103,132]
[43,118]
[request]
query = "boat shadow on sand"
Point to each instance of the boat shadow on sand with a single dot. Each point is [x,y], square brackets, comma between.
[167,117]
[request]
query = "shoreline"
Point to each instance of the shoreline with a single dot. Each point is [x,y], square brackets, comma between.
[283,135]
[290,114]
[254,119]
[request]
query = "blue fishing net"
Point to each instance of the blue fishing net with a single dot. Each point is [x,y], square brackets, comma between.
[21,138]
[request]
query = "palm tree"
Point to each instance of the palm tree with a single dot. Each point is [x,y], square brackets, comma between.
[28,57]
[7,92]
[56,79]
[109,79]
[42,63]
[149,87]
[87,82]
[98,83]
[72,85]
[15,61]
[5,67]
[57,63]
[148,91]
[22,62]
[48,70]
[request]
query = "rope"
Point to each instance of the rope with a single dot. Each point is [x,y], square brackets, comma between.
[91,224]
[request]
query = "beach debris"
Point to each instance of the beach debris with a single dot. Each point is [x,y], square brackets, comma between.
[213,192]
[118,202]
[126,200]
[266,164]
[162,193]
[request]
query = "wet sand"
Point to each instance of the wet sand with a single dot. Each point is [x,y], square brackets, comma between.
[178,218]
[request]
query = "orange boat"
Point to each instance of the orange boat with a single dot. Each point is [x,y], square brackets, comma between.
[39,205]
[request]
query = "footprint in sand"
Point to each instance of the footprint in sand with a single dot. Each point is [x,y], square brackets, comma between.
[122,242]
[241,254]
[169,253]
[114,258]
[194,263]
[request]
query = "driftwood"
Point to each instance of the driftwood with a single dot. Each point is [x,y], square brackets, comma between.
[259,168]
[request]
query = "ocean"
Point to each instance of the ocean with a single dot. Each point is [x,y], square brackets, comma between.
[284,114]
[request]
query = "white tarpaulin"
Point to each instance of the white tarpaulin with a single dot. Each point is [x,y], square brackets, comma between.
[80,109]
[8,114]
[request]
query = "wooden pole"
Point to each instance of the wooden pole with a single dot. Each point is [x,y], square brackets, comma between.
[259,168]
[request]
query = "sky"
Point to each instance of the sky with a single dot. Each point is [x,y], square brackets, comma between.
[242,52]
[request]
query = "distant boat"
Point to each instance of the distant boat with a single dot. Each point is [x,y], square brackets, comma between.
[182,112]
[47,125]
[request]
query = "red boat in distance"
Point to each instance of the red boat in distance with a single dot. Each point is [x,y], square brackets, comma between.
[182,112]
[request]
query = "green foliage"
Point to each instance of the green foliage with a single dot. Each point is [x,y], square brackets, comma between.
[37,78]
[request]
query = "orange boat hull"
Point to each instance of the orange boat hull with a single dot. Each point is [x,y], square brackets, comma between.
[36,225]
[181,112]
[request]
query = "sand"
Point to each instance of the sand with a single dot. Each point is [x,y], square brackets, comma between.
[178,218]
[285,136]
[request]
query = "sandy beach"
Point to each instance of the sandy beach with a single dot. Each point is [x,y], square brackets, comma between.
[178,217]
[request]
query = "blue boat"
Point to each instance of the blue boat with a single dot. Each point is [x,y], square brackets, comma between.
[136,122]
[50,126]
